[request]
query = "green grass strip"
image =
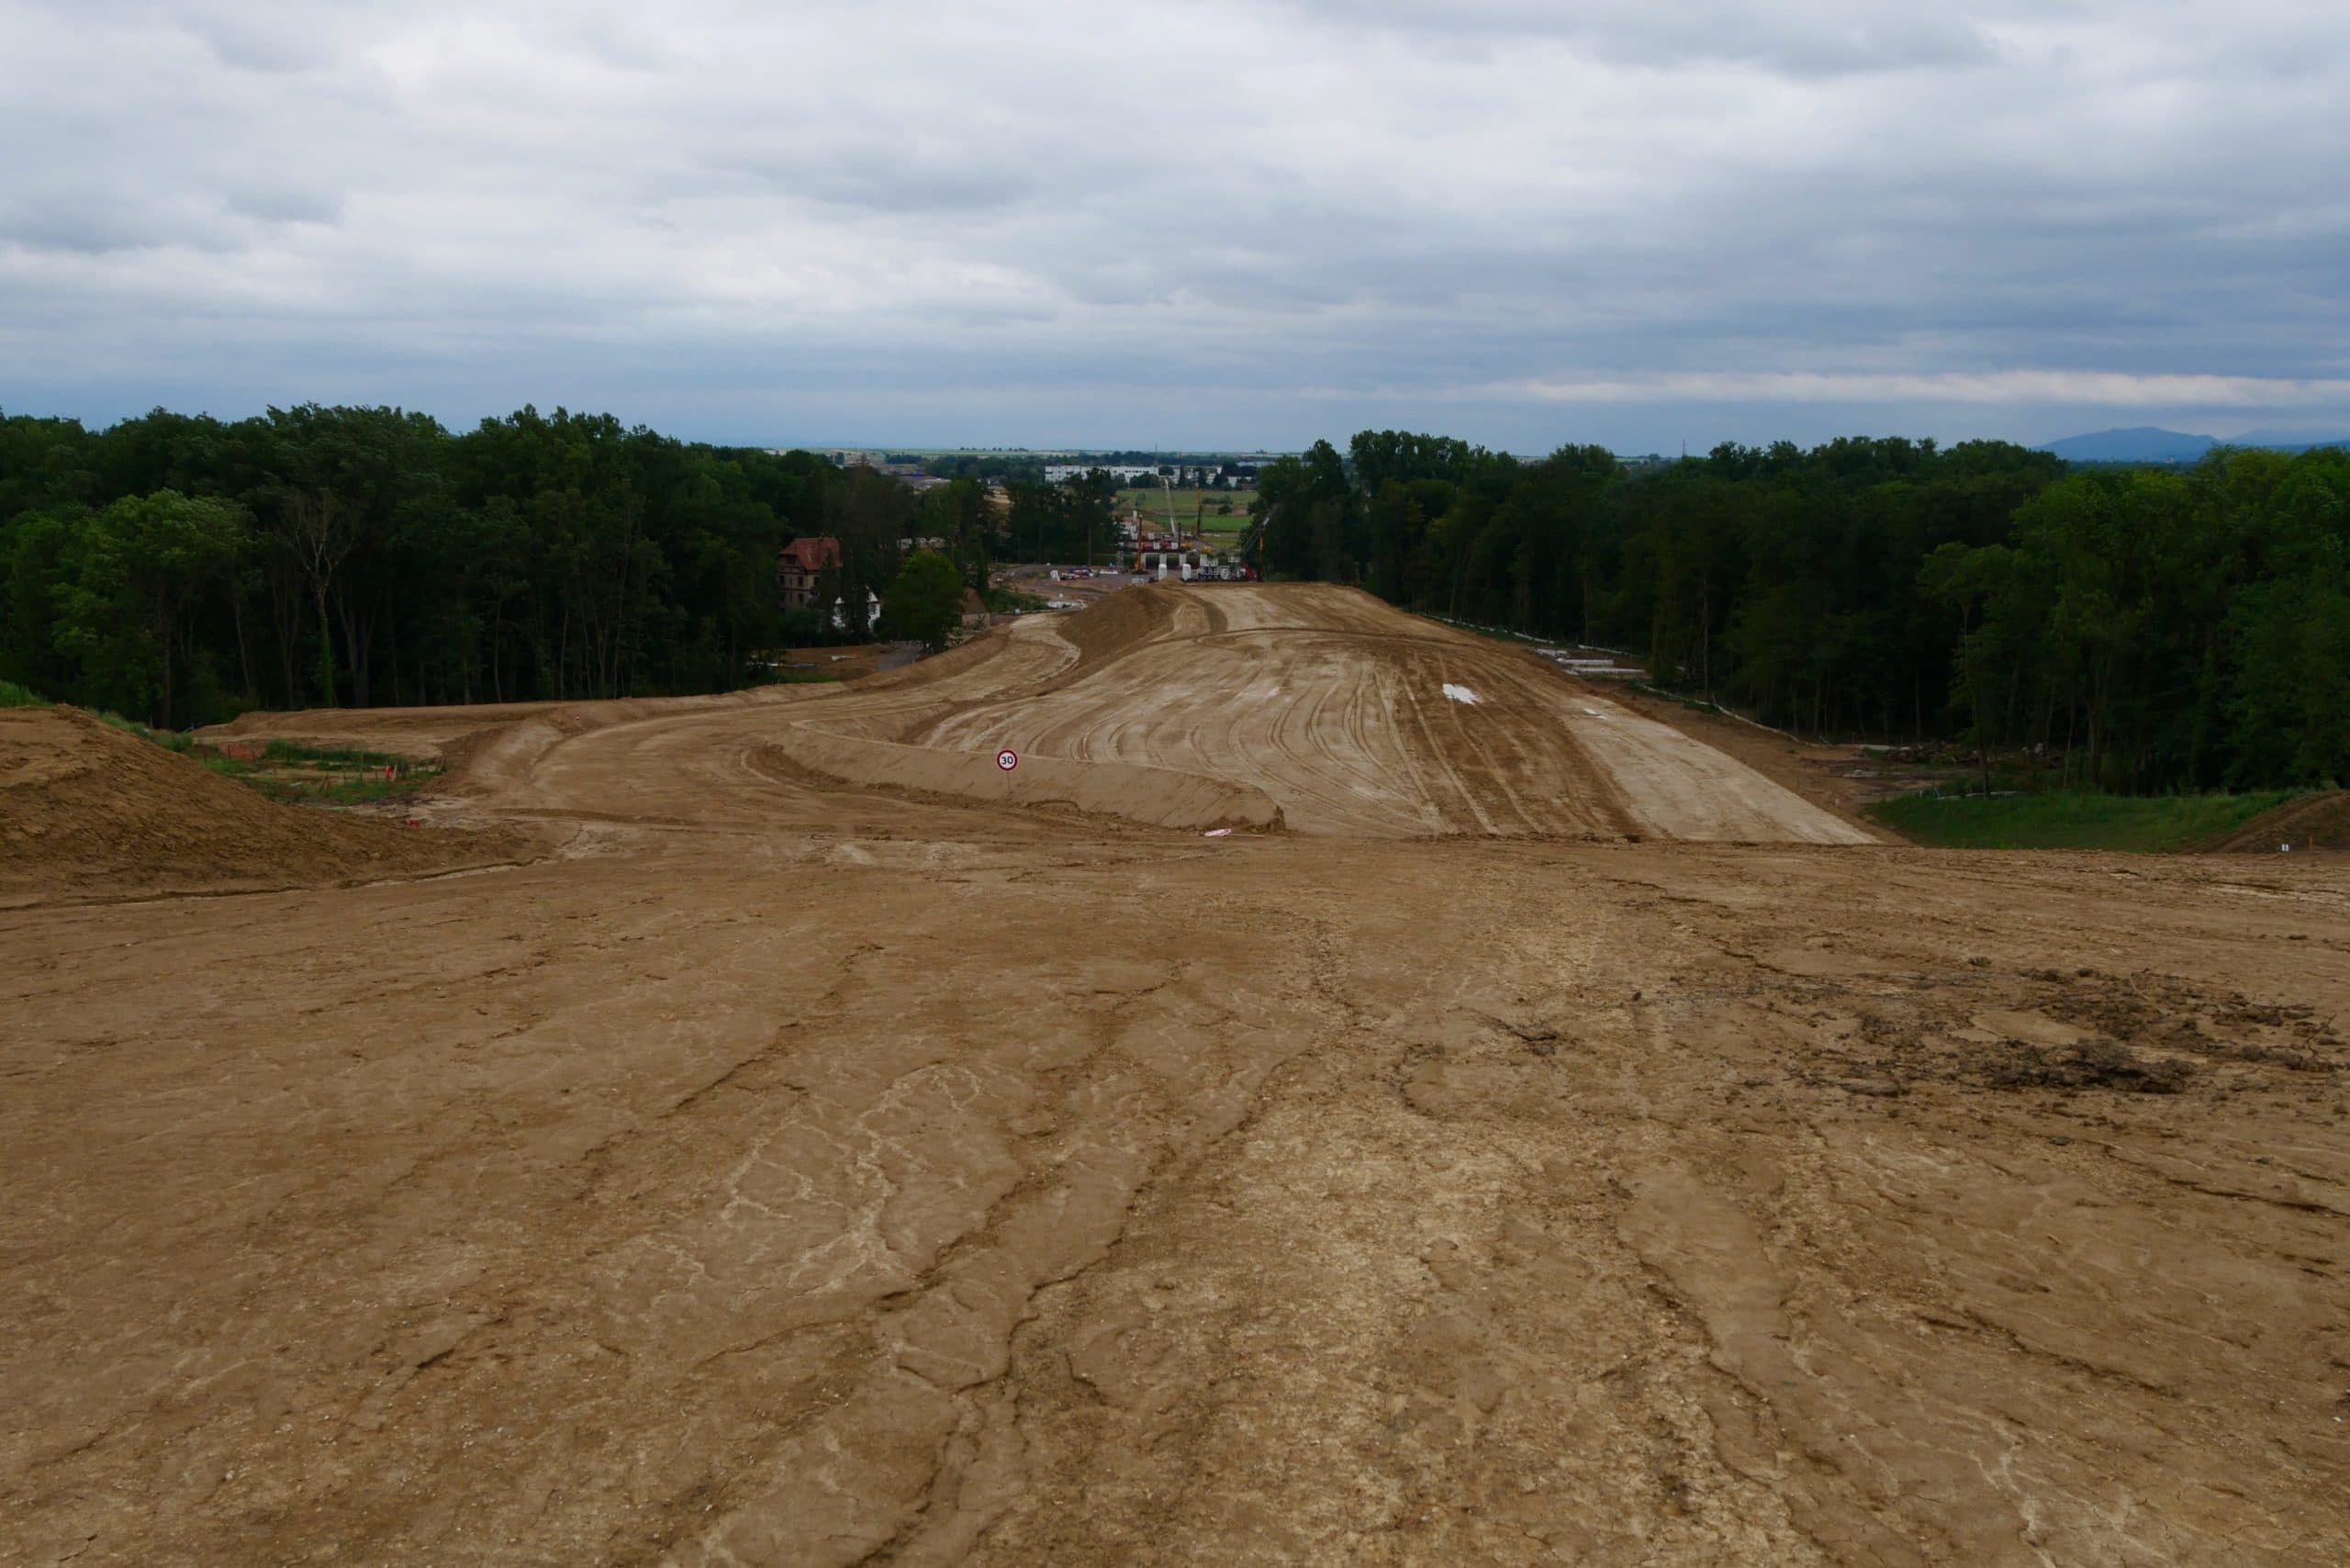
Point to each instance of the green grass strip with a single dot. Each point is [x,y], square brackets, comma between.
[2072,819]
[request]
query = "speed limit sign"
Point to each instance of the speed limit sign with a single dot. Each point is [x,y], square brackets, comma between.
[1007,759]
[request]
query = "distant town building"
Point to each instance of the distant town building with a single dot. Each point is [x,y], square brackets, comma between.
[1124,473]
[1235,475]
[872,612]
[803,565]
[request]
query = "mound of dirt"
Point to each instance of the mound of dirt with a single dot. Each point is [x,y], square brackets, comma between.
[1343,713]
[960,659]
[2313,822]
[488,746]
[1117,622]
[88,811]
[1114,624]
[1160,796]
[424,733]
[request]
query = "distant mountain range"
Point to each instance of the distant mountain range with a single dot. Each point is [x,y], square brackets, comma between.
[2150,443]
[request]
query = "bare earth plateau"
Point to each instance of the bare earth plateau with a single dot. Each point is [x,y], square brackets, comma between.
[761,1130]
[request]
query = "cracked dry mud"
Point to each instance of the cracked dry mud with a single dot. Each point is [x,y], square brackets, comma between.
[796,1171]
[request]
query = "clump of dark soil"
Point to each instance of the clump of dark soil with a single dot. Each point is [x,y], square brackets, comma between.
[2093,1064]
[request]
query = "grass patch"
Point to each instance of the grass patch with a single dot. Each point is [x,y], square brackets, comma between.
[333,756]
[1010,601]
[1188,504]
[2072,819]
[283,770]
[170,740]
[303,775]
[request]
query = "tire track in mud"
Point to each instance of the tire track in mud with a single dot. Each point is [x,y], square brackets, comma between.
[1421,759]
[1480,739]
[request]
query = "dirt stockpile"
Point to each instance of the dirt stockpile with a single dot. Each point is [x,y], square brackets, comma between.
[87,810]
[488,748]
[428,735]
[1119,621]
[1349,716]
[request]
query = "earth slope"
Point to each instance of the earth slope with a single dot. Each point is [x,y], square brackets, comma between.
[1346,715]
[89,810]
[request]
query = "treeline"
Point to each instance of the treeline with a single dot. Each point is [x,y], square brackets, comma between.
[2136,630]
[1069,522]
[179,568]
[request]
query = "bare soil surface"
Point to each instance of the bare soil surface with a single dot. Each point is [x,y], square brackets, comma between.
[853,661]
[798,1170]
[1350,717]
[89,812]
[1845,780]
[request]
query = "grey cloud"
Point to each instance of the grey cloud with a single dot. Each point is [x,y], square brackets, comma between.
[264,51]
[91,229]
[1800,36]
[1187,221]
[271,38]
[284,204]
[268,35]
[900,179]
[73,227]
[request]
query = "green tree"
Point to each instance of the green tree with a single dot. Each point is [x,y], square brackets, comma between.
[925,600]
[132,577]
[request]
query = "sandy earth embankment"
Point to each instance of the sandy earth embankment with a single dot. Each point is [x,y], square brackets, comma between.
[88,810]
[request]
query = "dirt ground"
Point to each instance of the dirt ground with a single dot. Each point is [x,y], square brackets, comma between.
[827,1158]
[1332,713]
[88,812]
[851,663]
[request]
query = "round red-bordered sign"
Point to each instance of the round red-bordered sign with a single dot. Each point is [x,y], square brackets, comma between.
[1007,759]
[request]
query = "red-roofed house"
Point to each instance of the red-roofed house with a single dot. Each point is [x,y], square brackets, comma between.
[801,564]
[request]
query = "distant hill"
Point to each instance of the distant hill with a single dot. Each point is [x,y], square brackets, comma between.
[2150,443]
[2290,441]
[2139,444]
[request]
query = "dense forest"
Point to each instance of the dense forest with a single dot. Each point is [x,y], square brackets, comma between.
[2137,630]
[178,570]
[2133,629]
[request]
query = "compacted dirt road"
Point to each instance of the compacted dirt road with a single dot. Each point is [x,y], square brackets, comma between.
[1531,1138]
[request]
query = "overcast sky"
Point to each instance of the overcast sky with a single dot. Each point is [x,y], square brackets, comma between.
[1635,221]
